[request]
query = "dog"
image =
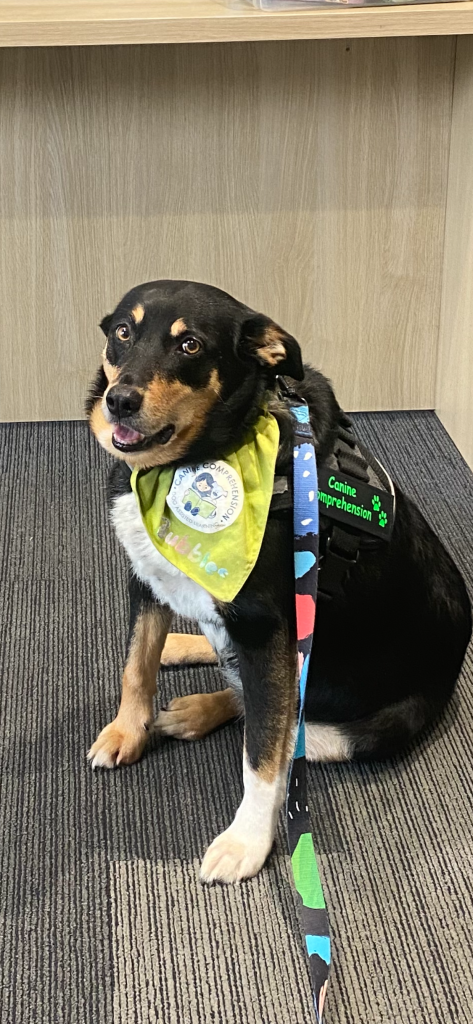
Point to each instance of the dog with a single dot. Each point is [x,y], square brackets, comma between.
[186,370]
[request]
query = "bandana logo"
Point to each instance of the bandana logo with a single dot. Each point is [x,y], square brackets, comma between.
[209,497]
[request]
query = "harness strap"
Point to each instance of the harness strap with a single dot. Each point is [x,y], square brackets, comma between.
[313,914]
[341,554]
[342,543]
[348,460]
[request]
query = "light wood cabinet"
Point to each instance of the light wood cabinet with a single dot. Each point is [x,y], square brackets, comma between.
[325,178]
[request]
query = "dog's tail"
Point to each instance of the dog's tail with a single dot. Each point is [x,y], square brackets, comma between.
[389,731]
[186,649]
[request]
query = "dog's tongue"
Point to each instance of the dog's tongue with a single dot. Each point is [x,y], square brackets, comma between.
[125,435]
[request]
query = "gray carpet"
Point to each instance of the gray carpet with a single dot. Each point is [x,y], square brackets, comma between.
[102,915]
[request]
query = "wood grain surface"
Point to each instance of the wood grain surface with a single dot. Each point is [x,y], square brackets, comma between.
[86,22]
[455,365]
[307,178]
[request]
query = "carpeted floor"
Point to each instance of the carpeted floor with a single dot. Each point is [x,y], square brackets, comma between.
[103,918]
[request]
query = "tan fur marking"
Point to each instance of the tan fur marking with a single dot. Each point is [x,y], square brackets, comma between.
[272,765]
[111,372]
[169,399]
[138,313]
[123,741]
[184,649]
[173,402]
[192,717]
[164,402]
[102,428]
[141,669]
[165,396]
[277,760]
[272,348]
[283,666]
[178,327]
[103,431]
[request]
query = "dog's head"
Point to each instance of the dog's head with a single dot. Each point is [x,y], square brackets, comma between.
[184,367]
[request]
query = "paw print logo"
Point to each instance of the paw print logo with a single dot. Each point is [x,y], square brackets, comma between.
[376,502]
[383,518]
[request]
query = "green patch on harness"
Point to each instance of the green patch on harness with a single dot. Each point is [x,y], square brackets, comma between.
[355,503]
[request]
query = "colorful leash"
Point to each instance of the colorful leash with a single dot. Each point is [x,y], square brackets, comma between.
[313,915]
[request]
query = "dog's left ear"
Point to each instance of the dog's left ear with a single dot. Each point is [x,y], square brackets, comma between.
[261,339]
[105,324]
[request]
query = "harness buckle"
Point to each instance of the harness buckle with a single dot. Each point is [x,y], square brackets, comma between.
[284,390]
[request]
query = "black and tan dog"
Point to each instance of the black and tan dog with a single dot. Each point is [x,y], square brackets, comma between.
[186,370]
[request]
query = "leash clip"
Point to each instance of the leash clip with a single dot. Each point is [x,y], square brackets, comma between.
[302,425]
[285,391]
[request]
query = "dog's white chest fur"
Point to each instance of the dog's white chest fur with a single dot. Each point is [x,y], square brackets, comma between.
[169,585]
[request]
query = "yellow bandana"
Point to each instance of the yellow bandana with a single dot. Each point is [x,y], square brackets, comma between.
[209,520]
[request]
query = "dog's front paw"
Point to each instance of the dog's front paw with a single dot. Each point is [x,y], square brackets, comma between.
[231,858]
[117,745]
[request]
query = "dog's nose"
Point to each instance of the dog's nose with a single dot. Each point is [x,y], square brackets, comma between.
[123,402]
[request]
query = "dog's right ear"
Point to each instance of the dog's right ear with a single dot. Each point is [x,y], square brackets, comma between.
[105,324]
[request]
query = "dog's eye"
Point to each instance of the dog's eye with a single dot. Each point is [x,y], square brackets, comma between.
[191,346]
[122,332]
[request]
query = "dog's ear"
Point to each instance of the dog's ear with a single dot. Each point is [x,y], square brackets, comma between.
[261,339]
[105,324]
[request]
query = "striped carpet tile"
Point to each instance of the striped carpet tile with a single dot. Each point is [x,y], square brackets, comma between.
[102,916]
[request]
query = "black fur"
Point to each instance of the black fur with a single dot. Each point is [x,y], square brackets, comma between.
[388,653]
[141,600]
[96,390]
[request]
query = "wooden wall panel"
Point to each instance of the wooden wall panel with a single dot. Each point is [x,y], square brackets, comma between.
[307,178]
[455,363]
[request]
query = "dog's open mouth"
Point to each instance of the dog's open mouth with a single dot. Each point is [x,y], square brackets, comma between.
[128,440]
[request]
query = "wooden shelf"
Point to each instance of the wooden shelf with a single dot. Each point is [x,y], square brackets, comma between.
[88,23]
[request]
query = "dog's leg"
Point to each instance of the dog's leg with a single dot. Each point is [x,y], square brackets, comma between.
[268,676]
[194,716]
[187,649]
[123,741]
